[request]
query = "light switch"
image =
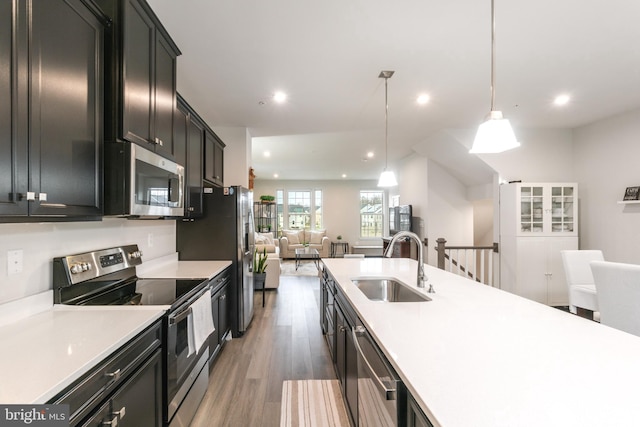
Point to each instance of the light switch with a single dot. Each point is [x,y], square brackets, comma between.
[14,262]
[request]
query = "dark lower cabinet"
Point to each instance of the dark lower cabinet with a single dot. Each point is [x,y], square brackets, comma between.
[415,416]
[347,359]
[51,114]
[138,403]
[125,389]
[220,310]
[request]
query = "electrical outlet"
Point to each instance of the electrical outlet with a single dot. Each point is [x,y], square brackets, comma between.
[14,262]
[150,239]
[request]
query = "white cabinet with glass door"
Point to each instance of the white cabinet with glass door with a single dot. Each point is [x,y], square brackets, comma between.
[546,209]
[537,221]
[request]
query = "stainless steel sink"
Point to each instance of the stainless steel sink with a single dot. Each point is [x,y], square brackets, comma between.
[388,289]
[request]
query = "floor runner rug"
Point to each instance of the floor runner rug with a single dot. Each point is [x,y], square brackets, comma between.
[312,403]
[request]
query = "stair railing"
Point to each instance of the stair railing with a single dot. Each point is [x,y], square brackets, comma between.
[473,262]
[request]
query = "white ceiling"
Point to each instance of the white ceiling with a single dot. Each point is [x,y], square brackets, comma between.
[326,55]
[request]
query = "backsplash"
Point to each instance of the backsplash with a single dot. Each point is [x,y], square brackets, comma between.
[41,242]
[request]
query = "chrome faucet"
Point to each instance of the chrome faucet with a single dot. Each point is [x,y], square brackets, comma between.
[421,277]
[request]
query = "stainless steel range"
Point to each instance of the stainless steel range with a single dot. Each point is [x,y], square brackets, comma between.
[108,277]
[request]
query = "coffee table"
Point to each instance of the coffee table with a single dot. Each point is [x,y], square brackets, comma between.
[307,253]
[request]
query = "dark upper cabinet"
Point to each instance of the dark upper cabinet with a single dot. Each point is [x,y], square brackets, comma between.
[213,158]
[189,140]
[51,114]
[141,88]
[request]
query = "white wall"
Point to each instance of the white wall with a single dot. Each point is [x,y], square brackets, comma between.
[450,213]
[607,157]
[341,201]
[41,242]
[413,180]
[545,155]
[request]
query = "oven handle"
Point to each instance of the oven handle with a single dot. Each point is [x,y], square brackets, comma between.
[178,317]
[389,393]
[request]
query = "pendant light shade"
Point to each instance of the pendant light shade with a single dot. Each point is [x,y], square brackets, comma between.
[387,177]
[495,135]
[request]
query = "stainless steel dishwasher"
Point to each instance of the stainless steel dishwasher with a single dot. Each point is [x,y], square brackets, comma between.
[378,383]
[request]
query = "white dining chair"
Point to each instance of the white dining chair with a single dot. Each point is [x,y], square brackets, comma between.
[582,290]
[618,290]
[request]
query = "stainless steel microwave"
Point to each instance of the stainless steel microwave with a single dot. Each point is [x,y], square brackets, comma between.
[141,184]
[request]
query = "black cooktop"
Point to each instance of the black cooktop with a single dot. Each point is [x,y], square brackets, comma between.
[108,277]
[167,291]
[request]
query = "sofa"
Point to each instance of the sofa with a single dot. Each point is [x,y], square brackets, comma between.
[267,241]
[297,239]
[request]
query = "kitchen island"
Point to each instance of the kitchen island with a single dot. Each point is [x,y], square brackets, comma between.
[479,356]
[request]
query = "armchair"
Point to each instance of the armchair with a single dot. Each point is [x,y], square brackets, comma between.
[582,289]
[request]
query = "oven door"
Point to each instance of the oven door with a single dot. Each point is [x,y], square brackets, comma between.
[182,367]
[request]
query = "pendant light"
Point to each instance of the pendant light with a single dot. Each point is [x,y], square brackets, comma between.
[495,135]
[387,177]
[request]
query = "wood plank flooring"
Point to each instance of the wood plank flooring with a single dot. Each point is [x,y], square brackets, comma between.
[283,342]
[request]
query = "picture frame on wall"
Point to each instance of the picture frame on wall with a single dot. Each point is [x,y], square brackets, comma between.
[632,193]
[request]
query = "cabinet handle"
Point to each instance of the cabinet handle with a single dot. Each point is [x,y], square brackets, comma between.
[158,141]
[112,423]
[342,329]
[121,413]
[115,375]
[31,196]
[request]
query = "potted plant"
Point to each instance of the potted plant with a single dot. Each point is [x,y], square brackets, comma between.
[259,268]
[339,237]
[267,199]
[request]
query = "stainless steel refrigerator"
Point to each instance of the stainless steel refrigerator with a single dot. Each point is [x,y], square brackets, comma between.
[225,232]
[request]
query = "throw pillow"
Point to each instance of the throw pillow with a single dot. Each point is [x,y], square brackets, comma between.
[267,237]
[259,239]
[316,237]
[292,236]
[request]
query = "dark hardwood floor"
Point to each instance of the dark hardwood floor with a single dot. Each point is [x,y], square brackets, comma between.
[283,342]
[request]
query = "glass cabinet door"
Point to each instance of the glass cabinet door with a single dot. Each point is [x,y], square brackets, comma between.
[562,200]
[531,209]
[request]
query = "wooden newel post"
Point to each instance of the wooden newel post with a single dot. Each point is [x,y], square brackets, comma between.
[440,248]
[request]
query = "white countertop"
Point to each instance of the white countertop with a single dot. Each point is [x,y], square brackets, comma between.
[44,353]
[170,267]
[478,356]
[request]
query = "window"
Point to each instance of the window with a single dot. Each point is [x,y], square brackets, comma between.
[371,213]
[299,209]
[280,210]
[317,204]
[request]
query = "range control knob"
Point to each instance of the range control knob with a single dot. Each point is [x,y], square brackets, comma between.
[80,267]
[135,254]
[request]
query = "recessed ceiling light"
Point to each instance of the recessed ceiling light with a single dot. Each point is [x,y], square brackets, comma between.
[267,154]
[275,175]
[344,175]
[279,96]
[423,98]
[370,155]
[561,99]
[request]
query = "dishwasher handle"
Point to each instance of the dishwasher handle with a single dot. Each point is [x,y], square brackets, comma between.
[389,393]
